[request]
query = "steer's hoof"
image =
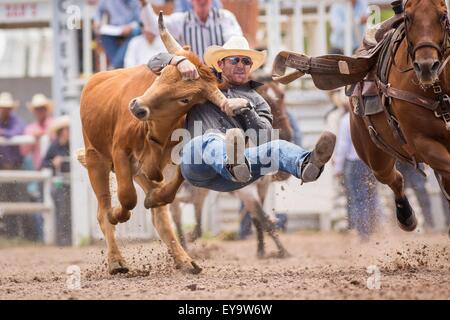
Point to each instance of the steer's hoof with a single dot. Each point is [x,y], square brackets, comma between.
[405,215]
[152,201]
[116,267]
[190,267]
[117,215]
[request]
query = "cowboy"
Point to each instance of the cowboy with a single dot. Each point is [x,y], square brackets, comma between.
[41,107]
[219,160]
[199,28]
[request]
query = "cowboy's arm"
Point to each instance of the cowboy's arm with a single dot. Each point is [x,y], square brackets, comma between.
[161,60]
[258,117]
[173,22]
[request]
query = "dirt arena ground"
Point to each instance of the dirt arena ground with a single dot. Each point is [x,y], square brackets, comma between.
[322,266]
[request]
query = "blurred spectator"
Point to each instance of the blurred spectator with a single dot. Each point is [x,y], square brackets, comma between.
[41,107]
[10,125]
[142,48]
[11,159]
[199,28]
[414,180]
[58,159]
[297,137]
[117,22]
[338,18]
[186,5]
[363,203]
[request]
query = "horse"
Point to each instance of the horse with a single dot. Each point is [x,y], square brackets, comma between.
[415,124]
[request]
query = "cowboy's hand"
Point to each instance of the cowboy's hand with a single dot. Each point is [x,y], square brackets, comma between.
[126,30]
[236,106]
[187,69]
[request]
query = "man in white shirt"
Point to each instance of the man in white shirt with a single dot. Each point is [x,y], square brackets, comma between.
[200,28]
[142,48]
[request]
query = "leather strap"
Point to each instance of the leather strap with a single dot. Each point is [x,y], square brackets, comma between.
[380,143]
[413,98]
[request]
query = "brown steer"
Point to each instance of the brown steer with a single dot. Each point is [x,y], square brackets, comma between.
[136,145]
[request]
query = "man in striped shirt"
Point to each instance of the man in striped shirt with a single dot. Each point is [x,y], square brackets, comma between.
[199,28]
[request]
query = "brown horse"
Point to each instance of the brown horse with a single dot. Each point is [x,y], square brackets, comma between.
[419,79]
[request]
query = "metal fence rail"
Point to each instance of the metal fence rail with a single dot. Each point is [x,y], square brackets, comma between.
[46,207]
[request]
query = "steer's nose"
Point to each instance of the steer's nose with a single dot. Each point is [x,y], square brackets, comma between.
[139,112]
[427,69]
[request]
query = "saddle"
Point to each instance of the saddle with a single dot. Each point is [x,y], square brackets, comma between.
[333,71]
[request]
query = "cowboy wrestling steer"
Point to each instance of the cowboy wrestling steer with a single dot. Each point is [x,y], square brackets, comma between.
[135,145]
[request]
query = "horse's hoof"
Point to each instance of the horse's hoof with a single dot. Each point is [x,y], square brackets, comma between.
[260,254]
[194,236]
[405,215]
[118,266]
[190,267]
[282,254]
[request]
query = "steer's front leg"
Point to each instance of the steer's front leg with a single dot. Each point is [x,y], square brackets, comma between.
[164,194]
[125,188]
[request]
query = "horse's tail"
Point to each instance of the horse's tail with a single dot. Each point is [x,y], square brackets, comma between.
[81,156]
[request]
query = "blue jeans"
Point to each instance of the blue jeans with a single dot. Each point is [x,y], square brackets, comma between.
[204,160]
[116,51]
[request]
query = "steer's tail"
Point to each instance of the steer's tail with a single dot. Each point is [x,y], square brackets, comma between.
[81,156]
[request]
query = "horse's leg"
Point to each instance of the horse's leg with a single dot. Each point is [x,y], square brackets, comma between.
[162,223]
[248,195]
[199,196]
[126,191]
[261,251]
[165,193]
[446,185]
[383,167]
[176,215]
[98,170]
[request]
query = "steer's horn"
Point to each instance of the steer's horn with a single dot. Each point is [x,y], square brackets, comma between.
[218,98]
[170,43]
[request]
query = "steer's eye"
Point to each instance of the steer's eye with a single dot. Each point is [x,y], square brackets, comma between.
[184,101]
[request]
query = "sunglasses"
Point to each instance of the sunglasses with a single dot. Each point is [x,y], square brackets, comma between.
[235,60]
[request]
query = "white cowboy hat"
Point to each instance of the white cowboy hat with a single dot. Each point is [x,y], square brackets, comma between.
[7,101]
[40,100]
[235,46]
[59,123]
